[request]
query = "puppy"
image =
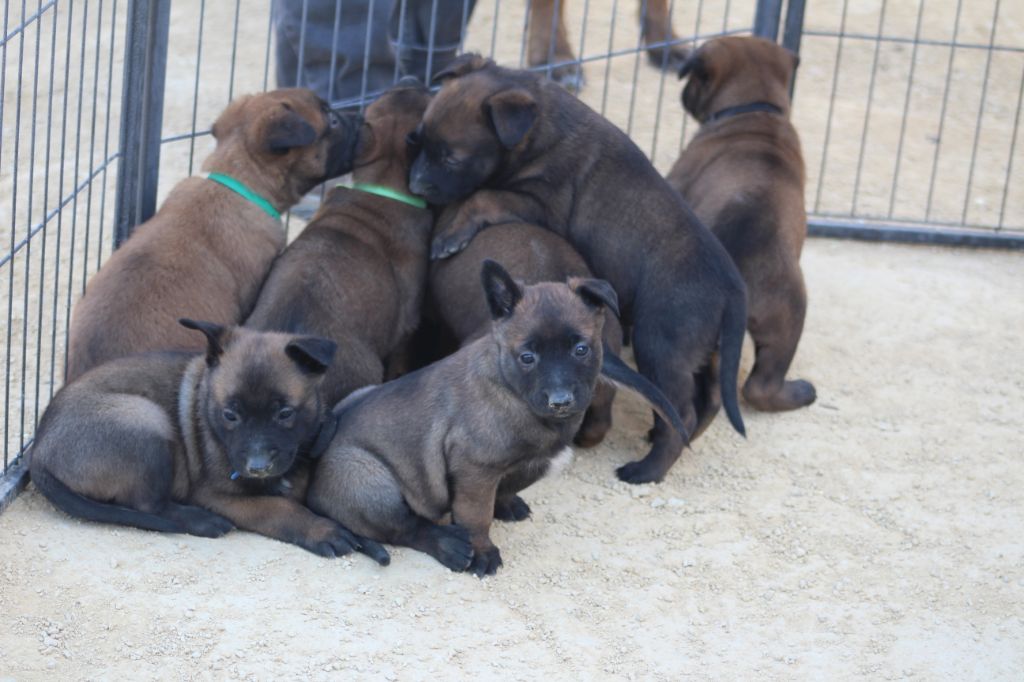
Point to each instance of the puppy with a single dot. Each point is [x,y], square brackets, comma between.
[743,173]
[549,40]
[182,443]
[466,434]
[357,272]
[213,240]
[531,254]
[519,149]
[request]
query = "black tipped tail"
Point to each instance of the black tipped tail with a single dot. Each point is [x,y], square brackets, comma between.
[622,374]
[70,502]
[734,326]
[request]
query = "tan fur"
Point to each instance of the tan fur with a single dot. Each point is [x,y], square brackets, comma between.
[744,177]
[207,249]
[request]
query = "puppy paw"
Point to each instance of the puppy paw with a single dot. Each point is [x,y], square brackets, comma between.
[512,508]
[447,245]
[330,540]
[800,392]
[638,472]
[374,550]
[485,562]
[569,76]
[452,547]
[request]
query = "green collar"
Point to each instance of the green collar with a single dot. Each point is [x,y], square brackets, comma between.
[236,186]
[387,192]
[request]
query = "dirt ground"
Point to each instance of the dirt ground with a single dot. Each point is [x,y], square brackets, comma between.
[876,533]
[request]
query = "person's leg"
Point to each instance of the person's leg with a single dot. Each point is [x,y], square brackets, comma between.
[414,21]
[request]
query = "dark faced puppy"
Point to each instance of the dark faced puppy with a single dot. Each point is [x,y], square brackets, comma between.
[182,443]
[534,153]
[357,272]
[743,173]
[465,434]
[213,240]
[531,254]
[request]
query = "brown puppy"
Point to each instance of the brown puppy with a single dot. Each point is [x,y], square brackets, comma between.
[179,443]
[549,39]
[531,254]
[356,274]
[744,176]
[464,435]
[209,247]
[542,156]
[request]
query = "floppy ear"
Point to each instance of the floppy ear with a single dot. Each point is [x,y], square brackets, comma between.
[460,66]
[501,290]
[312,354]
[288,131]
[596,293]
[215,337]
[512,113]
[692,64]
[795,57]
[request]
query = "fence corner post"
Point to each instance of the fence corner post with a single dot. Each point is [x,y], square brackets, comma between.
[766,19]
[142,106]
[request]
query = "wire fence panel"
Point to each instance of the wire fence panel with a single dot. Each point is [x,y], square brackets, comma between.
[60,75]
[910,112]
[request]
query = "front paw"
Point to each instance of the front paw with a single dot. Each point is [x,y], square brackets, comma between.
[450,243]
[485,562]
[511,508]
[328,539]
[637,473]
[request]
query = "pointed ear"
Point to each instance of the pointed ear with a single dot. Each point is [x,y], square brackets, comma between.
[501,290]
[288,130]
[312,354]
[597,293]
[512,113]
[460,66]
[215,338]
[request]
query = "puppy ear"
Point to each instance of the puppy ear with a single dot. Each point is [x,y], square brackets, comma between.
[795,57]
[288,131]
[215,338]
[512,113]
[501,290]
[460,66]
[596,293]
[312,354]
[692,64]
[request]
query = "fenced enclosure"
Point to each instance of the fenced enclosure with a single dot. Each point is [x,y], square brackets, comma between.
[909,115]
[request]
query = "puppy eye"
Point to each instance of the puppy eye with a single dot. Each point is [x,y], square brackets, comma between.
[451,161]
[333,119]
[581,350]
[527,358]
[413,139]
[285,413]
[230,416]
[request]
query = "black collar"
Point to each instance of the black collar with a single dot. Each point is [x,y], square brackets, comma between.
[743,109]
[328,429]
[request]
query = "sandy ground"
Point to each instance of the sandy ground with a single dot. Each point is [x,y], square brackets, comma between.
[876,533]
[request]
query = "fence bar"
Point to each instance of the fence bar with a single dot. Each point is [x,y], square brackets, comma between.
[767,17]
[794,28]
[13,481]
[887,232]
[142,101]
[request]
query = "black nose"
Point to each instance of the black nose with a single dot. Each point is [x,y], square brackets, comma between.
[261,463]
[560,400]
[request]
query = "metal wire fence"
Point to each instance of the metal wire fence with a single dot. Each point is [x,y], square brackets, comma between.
[909,113]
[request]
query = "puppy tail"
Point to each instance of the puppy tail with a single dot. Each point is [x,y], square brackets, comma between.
[70,502]
[621,374]
[734,326]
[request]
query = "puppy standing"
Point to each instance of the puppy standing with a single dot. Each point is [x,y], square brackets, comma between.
[179,443]
[744,176]
[531,254]
[524,150]
[357,272]
[208,248]
[464,435]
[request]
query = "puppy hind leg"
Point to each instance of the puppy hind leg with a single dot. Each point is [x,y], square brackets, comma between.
[662,360]
[776,333]
[656,27]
